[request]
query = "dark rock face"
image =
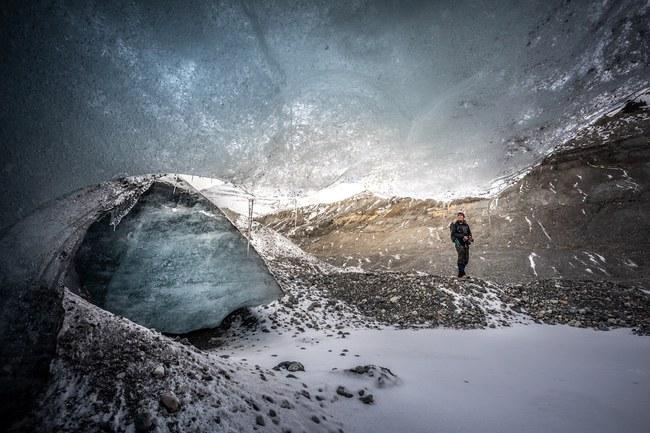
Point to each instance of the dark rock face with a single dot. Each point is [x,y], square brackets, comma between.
[28,343]
[583,213]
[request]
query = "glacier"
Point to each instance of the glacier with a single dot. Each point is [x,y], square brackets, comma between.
[402,97]
[174,263]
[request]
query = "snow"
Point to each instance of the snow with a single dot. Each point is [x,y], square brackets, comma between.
[531,259]
[520,379]
[544,230]
[630,263]
[530,224]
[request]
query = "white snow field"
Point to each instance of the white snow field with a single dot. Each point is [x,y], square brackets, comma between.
[524,379]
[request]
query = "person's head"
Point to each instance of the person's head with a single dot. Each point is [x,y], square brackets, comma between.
[460,217]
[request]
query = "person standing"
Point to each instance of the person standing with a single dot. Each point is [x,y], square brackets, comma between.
[461,236]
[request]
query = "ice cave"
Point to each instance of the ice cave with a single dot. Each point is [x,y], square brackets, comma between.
[325,216]
[173,263]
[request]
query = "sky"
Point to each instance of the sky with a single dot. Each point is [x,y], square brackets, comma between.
[429,99]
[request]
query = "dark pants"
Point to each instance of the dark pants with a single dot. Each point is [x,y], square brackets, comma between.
[463,257]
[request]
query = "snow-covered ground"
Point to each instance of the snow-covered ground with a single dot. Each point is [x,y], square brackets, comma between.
[523,378]
[520,379]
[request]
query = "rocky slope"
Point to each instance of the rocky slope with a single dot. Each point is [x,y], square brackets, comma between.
[113,375]
[582,213]
[322,296]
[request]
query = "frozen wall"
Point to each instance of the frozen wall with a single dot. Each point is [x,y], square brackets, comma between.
[431,97]
[174,263]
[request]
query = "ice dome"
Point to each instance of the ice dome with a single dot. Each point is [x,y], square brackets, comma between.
[431,99]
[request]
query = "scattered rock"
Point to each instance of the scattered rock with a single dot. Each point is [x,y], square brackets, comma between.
[259,420]
[381,375]
[169,400]
[343,391]
[159,371]
[286,404]
[367,399]
[143,421]
[292,366]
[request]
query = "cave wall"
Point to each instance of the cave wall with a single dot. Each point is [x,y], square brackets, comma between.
[296,95]
[34,255]
[174,263]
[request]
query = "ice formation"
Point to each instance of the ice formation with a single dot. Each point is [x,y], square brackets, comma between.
[410,98]
[174,263]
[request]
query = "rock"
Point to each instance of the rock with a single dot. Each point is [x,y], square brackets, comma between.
[295,366]
[382,375]
[259,420]
[292,366]
[143,421]
[286,404]
[343,391]
[159,371]
[367,399]
[315,419]
[169,400]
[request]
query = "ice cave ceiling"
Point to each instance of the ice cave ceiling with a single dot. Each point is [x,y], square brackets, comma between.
[415,98]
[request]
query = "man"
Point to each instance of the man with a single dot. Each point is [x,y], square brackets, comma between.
[461,236]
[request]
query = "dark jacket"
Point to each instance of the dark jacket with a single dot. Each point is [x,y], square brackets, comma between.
[458,231]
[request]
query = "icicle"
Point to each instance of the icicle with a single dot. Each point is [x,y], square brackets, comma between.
[250,224]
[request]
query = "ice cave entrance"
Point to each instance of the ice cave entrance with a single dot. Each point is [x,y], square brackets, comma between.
[174,263]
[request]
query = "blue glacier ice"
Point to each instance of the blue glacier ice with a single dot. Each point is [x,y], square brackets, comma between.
[174,263]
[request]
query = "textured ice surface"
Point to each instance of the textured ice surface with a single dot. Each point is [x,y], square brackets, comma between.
[173,263]
[403,97]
